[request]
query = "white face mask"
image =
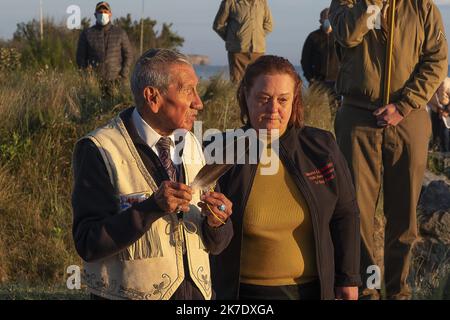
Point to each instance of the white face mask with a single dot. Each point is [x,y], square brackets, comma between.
[102,18]
[326,25]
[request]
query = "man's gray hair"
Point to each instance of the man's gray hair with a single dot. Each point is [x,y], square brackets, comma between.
[151,70]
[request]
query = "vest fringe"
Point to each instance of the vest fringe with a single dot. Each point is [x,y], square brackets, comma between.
[148,246]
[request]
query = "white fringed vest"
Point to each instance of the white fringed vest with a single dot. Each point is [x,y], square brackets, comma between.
[152,267]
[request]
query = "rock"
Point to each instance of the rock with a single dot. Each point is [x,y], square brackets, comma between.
[430,177]
[198,59]
[439,162]
[437,226]
[430,267]
[435,197]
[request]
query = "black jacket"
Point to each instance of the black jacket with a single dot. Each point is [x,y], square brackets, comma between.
[319,59]
[332,204]
[106,49]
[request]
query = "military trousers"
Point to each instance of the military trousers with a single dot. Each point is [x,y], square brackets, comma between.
[394,158]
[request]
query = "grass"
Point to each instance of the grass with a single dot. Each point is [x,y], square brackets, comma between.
[43,114]
[317,109]
[40,292]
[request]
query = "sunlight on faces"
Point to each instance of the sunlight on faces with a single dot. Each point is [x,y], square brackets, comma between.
[181,103]
[270,102]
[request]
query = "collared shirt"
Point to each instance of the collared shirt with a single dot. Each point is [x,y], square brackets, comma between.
[150,136]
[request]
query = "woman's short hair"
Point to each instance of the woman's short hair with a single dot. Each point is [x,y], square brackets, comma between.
[271,65]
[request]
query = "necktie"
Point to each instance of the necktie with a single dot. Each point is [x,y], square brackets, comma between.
[163,146]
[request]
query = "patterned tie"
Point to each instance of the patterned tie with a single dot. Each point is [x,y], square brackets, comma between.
[163,147]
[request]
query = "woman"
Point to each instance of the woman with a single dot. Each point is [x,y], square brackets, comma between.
[297,230]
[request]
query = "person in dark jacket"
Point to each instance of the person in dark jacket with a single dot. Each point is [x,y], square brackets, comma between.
[296,231]
[319,60]
[106,49]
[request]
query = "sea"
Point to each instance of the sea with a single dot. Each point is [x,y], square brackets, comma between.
[205,72]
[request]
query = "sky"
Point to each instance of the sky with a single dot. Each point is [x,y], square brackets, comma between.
[192,19]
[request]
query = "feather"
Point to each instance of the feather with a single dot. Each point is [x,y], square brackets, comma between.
[208,175]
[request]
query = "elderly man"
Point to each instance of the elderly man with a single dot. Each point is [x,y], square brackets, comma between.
[137,224]
[243,25]
[105,48]
[387,144]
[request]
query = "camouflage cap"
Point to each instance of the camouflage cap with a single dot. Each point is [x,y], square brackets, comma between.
[102,4]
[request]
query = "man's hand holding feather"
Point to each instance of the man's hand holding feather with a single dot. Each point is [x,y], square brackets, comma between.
[212,201]
[173,196]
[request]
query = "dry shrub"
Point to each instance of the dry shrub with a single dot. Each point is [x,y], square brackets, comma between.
[317,108]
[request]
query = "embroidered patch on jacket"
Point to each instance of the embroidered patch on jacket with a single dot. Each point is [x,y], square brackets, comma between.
[322,175]
[127,200]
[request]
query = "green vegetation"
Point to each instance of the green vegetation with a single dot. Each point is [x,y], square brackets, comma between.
[40,292]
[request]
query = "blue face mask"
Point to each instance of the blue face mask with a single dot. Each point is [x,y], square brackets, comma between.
[326,25]
[102,18]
